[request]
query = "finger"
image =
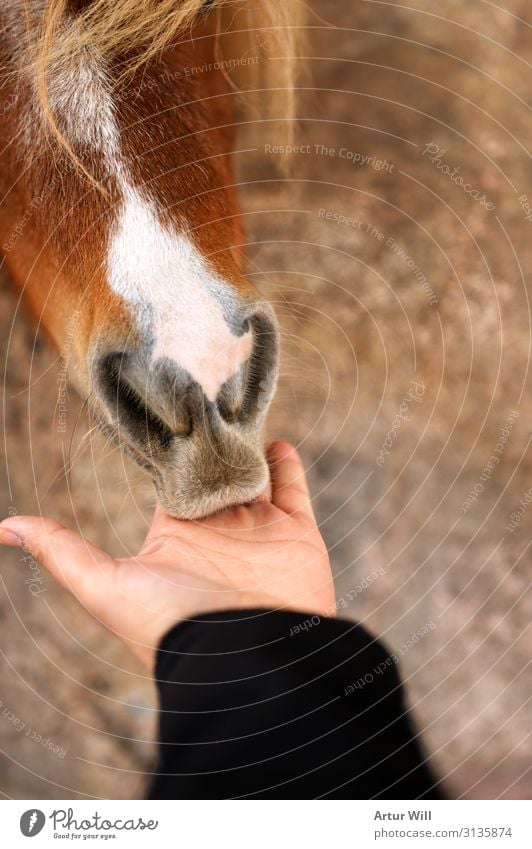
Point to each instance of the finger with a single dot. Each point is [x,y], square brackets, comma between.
[289,484]
[72,560]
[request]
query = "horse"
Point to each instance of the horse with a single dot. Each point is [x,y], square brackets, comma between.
[120,228]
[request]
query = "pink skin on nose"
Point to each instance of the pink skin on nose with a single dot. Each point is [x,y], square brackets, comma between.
[210,354]
[168,285]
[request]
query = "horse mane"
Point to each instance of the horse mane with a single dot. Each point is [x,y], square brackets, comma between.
[141,29]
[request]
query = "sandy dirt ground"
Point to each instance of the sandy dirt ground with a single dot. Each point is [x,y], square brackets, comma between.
[403,295]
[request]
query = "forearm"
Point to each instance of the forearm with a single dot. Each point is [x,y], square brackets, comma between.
[254,705]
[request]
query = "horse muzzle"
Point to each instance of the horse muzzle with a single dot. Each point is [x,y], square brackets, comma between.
[205,452]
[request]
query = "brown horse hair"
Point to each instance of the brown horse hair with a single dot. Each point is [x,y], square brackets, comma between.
[111,29]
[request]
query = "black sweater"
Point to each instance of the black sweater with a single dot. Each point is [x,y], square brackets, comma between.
[263,704]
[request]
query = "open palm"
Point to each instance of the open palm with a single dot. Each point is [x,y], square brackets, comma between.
[261,555]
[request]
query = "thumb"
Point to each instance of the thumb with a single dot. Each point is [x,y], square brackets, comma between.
[72,560]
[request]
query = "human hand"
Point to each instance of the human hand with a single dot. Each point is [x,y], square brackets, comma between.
[264,554]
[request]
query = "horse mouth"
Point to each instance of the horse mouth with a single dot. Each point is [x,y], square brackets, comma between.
[193,498]
[194,478]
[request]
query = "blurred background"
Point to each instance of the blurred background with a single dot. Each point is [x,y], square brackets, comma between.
[397,254]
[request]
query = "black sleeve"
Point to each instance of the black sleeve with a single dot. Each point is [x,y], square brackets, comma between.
[263,704]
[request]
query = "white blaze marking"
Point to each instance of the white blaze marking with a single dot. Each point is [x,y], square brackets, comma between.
[160,274]
[163,277]
[81,95]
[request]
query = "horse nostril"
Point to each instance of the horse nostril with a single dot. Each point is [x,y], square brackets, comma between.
[128,408]
[151,402]
[246,395]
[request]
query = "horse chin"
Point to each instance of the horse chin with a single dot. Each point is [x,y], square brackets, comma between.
[206,504]
[201,487]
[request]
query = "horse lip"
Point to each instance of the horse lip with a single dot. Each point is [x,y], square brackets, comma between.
[184,486]
[209,502]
